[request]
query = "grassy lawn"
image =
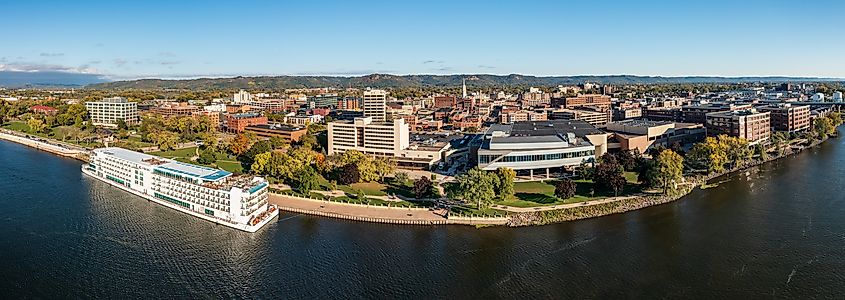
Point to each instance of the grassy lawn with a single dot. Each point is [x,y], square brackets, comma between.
[471,211]
[377,202]
[378,189]
[536,193]
[369,188]
[231,166]
[17,126]
[183,153]
[23,127]
[632,177]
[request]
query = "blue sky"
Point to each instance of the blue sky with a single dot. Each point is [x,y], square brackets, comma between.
[169,39]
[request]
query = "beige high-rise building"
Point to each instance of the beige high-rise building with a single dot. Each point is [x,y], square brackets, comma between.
[108,111]
[385,139]
[375,102]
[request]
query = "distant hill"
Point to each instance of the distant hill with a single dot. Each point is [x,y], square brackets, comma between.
[386,80]
[14,79]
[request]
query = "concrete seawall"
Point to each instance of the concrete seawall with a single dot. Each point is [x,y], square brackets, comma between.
[44,146]
[375,214]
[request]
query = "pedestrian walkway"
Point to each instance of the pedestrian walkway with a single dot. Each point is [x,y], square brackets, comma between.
[361,211]
[561,206]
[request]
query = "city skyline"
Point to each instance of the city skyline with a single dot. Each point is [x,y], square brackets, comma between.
[542,38]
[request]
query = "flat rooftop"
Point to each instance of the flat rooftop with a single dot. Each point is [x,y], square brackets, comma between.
[200,172]
[546,128]
[279,127]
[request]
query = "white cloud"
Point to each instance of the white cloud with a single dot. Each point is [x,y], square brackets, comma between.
[40,67]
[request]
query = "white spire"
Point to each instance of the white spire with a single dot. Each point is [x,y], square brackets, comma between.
[465,87]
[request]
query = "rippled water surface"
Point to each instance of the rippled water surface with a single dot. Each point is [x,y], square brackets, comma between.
[776,230]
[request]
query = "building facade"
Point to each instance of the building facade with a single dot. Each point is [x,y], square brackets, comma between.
[386,139]
[788,117]
[540,146]
[108,111]
[749,124]
[375,103]
[237,123]
[175,109]
[289,133]
[595,118]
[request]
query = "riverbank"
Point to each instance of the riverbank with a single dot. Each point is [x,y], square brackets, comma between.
[376,214]
[44,144]
[515,218]
[634,203]
[423,216]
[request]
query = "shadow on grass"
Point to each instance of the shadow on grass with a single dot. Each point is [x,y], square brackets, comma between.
[404,191]
[589,189]
[536,198]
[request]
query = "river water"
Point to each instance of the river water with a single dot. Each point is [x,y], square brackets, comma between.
[777,230]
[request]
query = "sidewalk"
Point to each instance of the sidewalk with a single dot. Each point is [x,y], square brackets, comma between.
[404,214]
[561,206]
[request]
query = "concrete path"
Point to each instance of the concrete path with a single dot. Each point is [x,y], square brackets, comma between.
[561,206]
[358,211]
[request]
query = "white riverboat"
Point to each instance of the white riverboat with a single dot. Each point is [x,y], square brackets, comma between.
[214,195]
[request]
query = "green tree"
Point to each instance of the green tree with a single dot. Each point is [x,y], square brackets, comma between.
[306,180]
[609,175]
[383,167]
[667,169]
[279,142]
[709,154]
[475,186]
[823,127]
[209,140]
[422,187]
[165,140]
[738,150]
[36,125]
[259,147]
[565,188]
[835,118]
[400,178]
[627,159]
[207,156]
[506,182]
[121,124]
[760,151]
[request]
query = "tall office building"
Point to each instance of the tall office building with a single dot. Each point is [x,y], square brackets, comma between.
[386,139]
[374,105]
[242,97]
[108,111]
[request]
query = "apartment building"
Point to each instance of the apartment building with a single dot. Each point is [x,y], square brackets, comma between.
[175,109]
[522,116]
[108,111]
[595,100]
[237,123]
[788,117]
[595,118]
[698,113]
[750,124]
